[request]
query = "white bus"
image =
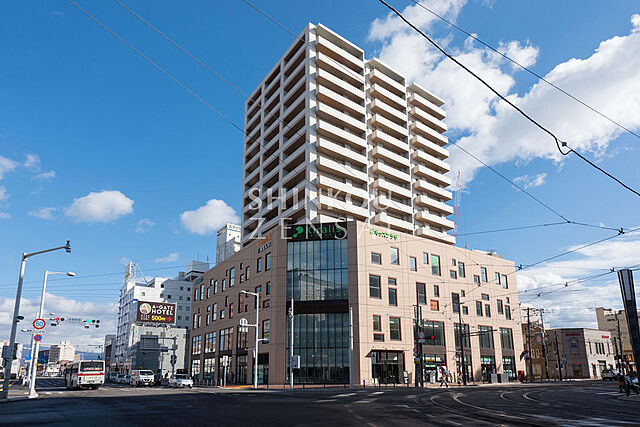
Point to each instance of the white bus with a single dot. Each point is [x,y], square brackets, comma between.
[84,373]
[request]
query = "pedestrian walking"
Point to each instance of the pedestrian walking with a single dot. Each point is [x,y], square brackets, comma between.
[620,379]
[443,377]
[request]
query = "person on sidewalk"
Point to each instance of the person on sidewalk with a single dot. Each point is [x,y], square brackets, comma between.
[443,377]
[620,379]
[629,385]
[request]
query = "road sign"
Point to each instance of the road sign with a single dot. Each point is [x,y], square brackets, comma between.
[28,357]
[37,337]
[39,323]
[564,355]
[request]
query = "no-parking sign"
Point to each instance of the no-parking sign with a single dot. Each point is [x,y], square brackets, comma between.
[37,337]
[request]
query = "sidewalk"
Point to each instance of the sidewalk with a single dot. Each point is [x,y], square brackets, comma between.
[17,392]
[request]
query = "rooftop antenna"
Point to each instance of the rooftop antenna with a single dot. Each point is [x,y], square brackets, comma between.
[142,273]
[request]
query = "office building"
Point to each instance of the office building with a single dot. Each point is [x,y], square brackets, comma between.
[581,352]
[381,275]
[108,350]
[227,241]
[333,136]
[615,322]
[62,353]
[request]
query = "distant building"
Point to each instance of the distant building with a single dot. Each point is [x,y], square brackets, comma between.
[582,352]
[107,350]
[615,321]
[124,353]
[228,241]
[62,352]
[534,336]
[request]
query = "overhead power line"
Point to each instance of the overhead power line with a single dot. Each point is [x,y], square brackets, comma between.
[530,71]
[559,143]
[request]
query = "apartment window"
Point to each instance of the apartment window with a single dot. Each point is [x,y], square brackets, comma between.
[266,303]
[259,265]
[413,266]
[206,322]
[462,293]
[505,284]
[241,278]
[376,258]
[435,265]
[425,258]
[461,272]
[465,309]
[394,328]
[421,293]
[507,312]
[483,273]
[436,291]
[455,302]
[435,305]
[453,262]
[247,272]
[268,286]
[224,284]
[222,314]
[374,286]
[497,278]
[201,292]
[230,310]
[500,307]
[453,274]
[267,262]
[241,298]
[196,345]
[195,321]
[226,301]
[232,276]
[242,337]
[208,292]
[487,310]
[476,279]
[485,335]
[266,329]
[214,313]
[393,296]
[210,342]
[485,297]
[377,323]
[506,338]
[395,258]
[226,339]
[479,308]
[391,281]
[215,287]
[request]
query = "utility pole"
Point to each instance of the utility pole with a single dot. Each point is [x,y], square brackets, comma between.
[531,379]
[8,358]
[419,380]
[350,347]
[464,365]
[620,357]
[291,343]
[558,357]
[544,345]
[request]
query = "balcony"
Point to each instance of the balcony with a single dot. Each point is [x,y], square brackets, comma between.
[344,207]
[334,68]
[431,175]
[344,119]
[430,134]
[379,136]
[428,119]
[340,169]
[336,186]
[391,172]
[428,146]
[384,203]
[434,190]
[383,185]
[377,91]
[433,205]
[325,145]
[431,161]
[427,105]
[436,220]
[334,132]
[379,106]
[388,126]
[383,219]
[377,76]
[390,157]
[435,235]
[336,100]
[339,54]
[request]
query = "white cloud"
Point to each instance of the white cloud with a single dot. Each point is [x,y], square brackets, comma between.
[104,206]
[208,218]
[6,165]
[46,175]
[3,193]
[43,213]
[32,162]
[172,257]
[144,225]
[63,307]
[4,215]
[527,181]
[492,130]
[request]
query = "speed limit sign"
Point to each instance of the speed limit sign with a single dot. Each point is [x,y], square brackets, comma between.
[39,323]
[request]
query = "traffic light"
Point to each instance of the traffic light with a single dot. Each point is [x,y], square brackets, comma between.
[174,359]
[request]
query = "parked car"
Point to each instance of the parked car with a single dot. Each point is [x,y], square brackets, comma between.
[610,374]
[119,379]
[126,379]
[112,377]
[141,377]
[180,380]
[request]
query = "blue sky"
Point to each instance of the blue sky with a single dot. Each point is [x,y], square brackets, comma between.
[78,102]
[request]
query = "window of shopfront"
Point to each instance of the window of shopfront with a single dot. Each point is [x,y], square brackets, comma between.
[434,333]
[241,370]
[488,367]
[509,366]
[209,369]
[387,367]
[195,368]
[263,368]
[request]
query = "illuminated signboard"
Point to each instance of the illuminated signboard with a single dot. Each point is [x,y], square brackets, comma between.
[385,234]
[326,231]
[156,312]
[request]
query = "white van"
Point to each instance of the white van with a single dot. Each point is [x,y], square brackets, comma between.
[142,377]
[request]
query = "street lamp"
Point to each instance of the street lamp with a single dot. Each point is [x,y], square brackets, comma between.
[34,360]
[16,317]
[255,359]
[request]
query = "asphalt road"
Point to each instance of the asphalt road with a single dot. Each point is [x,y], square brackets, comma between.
[579,404]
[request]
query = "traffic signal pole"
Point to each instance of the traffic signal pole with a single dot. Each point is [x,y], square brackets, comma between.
[464,365]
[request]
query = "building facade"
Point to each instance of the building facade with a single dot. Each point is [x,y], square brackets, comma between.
[63,352]
[330,135]
[228,241]
[581,352]
[615,321]
[108,349]
[534,340]
[381,276]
